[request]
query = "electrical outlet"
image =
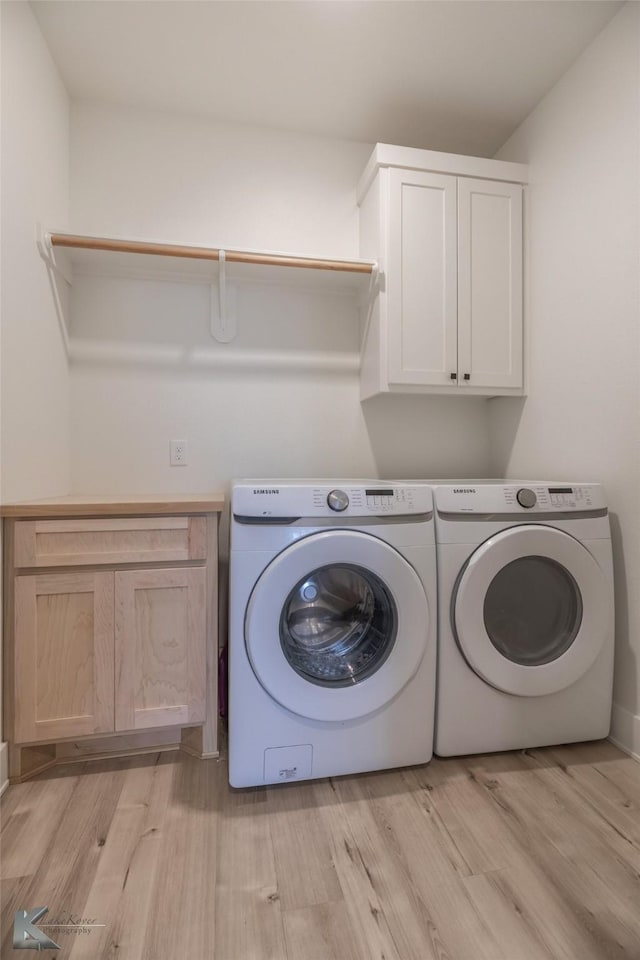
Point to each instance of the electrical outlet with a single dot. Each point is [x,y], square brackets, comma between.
[178,453]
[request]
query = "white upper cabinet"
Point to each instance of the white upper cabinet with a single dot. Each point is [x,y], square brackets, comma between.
[448,317]
[421,278]
[489,284]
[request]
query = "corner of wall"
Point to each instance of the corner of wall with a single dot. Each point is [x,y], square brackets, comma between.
[625,731]
[4,767]
[35,450]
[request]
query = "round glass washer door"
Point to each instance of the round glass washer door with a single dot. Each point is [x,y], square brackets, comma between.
[336,625]
[531,610]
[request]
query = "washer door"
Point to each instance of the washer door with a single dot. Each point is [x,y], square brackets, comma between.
[336,625]
[531,610]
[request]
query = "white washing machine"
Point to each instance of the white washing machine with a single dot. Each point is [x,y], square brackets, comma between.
[332,628]
[526,632]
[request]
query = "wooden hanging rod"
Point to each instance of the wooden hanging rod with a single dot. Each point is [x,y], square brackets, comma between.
[206,253]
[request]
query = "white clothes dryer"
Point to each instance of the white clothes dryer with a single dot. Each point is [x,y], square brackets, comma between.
[526,625]
[332,628]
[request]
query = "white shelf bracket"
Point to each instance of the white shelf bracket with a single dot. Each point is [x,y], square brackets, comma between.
[376,284]
[57,273]
[223,305]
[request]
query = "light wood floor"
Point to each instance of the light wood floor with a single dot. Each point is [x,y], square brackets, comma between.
[519,856]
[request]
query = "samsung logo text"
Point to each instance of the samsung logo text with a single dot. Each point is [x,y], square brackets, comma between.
[265,490]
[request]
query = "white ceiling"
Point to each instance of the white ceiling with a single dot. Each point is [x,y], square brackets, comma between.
[452,75]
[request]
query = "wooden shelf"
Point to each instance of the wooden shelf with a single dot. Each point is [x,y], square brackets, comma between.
[105,256]
[70,256]
[207,253]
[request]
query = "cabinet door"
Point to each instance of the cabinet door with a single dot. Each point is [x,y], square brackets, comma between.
[489,284]
[160,634]
[64,677]
[422,278]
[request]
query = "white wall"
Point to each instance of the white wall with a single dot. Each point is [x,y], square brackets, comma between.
[35,185]
[34,390]
[581,420]
[177,178]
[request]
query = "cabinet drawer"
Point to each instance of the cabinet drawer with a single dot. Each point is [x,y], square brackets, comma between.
[55,543]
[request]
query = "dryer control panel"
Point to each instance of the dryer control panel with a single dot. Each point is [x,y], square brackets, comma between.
[280,500]
[520,498]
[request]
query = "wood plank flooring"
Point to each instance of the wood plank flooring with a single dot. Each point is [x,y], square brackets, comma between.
[532,855]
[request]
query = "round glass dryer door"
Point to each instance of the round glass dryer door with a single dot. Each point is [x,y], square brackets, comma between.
[337,625]
[531,610]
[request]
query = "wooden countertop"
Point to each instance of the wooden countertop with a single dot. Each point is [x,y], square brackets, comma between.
[76,505]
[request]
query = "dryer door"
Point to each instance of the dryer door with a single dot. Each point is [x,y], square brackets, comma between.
[336,625]
[531,610]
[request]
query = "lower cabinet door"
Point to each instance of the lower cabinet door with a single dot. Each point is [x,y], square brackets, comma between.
[160,647]
[64,666]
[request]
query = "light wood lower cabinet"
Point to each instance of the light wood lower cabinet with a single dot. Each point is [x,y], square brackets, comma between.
[63,655]
[110,646]
[160,629]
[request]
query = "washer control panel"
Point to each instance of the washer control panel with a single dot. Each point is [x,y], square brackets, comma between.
[372,500]
[272,499]
[519,498]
